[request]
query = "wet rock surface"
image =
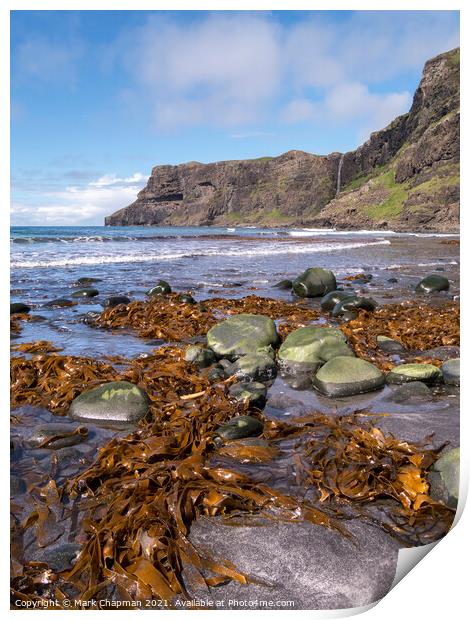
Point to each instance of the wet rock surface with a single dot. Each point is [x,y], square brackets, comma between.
[314,282]
[114,402]
[346,376]
[405,373]
[242,334]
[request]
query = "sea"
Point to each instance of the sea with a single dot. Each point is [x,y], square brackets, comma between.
[206,261]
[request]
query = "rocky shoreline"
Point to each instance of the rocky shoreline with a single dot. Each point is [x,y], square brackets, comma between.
[303,425]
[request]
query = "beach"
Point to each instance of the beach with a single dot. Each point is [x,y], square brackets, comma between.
[226,272]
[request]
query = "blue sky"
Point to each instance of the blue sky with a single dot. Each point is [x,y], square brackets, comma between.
[100,97]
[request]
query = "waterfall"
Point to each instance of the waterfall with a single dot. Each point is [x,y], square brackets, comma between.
[338,181]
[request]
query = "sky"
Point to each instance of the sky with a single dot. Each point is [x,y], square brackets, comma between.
[100,97]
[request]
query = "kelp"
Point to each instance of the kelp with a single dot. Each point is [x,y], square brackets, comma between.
[418,327]
[162,316]
[40,346]
[15,321]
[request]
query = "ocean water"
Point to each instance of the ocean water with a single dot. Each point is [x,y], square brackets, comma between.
[231,262]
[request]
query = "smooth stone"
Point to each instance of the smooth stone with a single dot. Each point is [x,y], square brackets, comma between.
[199,356]
[314,282]
[90,318]
[413,392]
[432,284]
[444,478]
[346,376]
[47,431]
[253,391]
[116,401]
[354,303]
[116,300]
[228,367]
[255,367]
[60,303]
[392,280]
[186,299]
[388,345]
[242,334]
[60,558]
[17,486]
[240,427]
[312,345]
[86,292]
[250,441]
[442,353]
[405,373]
[284,285]
[329,301]
[86,281]
[19,308]
[161,288]
[451,371]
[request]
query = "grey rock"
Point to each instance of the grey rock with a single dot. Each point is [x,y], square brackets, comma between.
[329,301]
[61,302]
[314,282]
[200,356]
[19,308]
[86,292]
[310,565]
[239,427]
[186,299]
[345,376]
[392,280]
[444,478]
[451,372]
[116,300]
[252,391]
[255,367]
[242,334]
[161,288]
[85,281]
[60,558]
[433,284]
[442,353]
[114,402]
[216,374]
[405,373]
[411,393]
[388,345]
[354,303]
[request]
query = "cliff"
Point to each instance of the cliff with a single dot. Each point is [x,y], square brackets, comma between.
[405,177]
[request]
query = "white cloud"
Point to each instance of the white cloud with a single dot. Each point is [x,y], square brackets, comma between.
[86,205]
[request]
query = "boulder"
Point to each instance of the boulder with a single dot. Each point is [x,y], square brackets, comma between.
[242,334]
[255,367]
[451,372]
[86,292]
[117,402]
[410,393]
[252,391]
[308,347]
[346,376]
[388,345]
[354,303]
[19,308]
[199,356]
[61,302]
[433,284]
[314,282]
[186,299]
[85,281]
[329,301]
[60,558]
[405,373]
[240,427]
[442,353]
[161,288]
[444,478]
[116,300]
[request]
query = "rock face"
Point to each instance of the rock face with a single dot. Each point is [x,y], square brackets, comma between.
[405,177]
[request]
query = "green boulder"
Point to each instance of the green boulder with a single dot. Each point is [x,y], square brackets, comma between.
[86,292]
[241,426]
[314,282]
[19,308]
[161,288]
[252,391]
[353,303]
[451,371]
[329,301]
[346,376]
[311,346]
[432,284]
[255,367]
[242,334]
[199,356]
[404,373]
[117,402]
